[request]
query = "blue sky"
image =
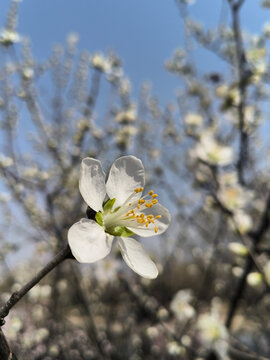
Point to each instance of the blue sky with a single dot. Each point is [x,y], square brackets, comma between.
[143,32]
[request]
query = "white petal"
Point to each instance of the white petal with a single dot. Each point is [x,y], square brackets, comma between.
[126,174]
[88,241]
[92,183]
[162,223]
[136,258]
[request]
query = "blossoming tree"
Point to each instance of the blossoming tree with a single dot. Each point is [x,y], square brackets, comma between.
[206,294]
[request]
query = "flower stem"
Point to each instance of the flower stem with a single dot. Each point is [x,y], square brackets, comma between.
[17,295]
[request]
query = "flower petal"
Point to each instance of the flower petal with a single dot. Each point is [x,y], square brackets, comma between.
[136,258]
[92,183]
[88,241]
[162,223]
[126,174]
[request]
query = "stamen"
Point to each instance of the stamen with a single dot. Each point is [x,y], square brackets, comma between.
[137,190]
[136,212]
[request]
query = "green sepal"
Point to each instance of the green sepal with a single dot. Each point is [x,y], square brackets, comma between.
[99,218]
[121,231]
[116,209]
[108,205]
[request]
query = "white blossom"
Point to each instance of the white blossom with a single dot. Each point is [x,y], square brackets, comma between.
[238,249]
[9,37]
[254,279]
[213,333]
[180,305]
[99,62]
[241,221]
[120,211]
[212,152]
[193,119]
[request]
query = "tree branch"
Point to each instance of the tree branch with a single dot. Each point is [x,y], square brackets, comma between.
[5,351]
[256,237]
[16,296]
[243,77]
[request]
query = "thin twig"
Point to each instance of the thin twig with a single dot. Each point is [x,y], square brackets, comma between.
[16,296]
[5,351]
[243,75]
[256,237]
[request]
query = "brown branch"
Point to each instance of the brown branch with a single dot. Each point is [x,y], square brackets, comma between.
[5,351]
[243,77]
[256,237]
[16,296]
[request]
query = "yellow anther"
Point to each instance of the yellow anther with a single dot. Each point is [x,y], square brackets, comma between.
[148,205]
[151,192]
[138,206]
[156,229]
[142,215]
[154,196]
[141,201]
[146,224]
[129,204]
[158,217]
[150,216]
[141,189]
[154,201]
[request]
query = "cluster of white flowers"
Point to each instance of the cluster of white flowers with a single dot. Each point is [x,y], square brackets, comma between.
[210,151]
[180,305]
[238,249]
[255,278]
[232,195]
[241,222]
[126,116]
[34,172]
[212,332]
[5,161]
[99,62]
[175,350]
[124,136]
[9,37]
[193,119]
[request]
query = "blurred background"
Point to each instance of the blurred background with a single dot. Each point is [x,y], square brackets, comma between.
[184,86]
